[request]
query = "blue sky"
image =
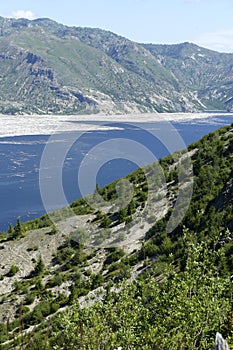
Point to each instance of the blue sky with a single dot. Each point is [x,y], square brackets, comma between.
[208,23]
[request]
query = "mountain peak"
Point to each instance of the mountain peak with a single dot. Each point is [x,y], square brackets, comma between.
[94,70]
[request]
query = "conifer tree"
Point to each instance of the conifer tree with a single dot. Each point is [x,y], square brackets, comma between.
[39,268]
[18,231]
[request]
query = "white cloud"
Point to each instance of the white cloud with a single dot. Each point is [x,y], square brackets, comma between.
[219,41]
[23,14]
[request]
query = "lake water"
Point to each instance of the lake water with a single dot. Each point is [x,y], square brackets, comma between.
[21,156]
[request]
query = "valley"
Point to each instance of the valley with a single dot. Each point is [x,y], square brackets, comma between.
[116,217]
[49,68]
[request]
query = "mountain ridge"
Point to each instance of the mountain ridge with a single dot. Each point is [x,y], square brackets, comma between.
[47,67]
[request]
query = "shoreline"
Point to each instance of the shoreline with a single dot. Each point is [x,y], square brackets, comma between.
[22,125]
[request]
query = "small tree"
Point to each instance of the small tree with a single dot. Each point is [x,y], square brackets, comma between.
[122,215]
[53,230]
[18,230]
[106,222]
[39,268]
[10,229]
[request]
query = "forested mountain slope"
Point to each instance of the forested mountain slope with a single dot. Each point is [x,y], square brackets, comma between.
[139,285]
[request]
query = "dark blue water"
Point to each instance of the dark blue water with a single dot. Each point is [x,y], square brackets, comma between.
[20,163]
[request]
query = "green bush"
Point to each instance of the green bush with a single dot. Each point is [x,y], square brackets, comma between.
[13,270]
[183,311]
[29,299]
[55,281]
[114,255]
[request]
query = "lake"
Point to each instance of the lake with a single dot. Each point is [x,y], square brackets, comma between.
[21,160]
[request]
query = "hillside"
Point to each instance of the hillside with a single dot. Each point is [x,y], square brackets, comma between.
[173,282]
[46,67]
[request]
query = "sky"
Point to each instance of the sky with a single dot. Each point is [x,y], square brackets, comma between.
[207,23]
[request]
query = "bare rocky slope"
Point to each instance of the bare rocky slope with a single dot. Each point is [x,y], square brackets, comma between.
[81,252]
[46,67]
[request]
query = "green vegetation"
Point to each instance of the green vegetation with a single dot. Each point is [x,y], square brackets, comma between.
[39,268]
[175,292]
[13,270]
[17,231]
[178,310]
[69,70]
[182,311]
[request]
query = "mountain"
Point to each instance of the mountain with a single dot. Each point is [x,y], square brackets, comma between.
[47,67]
[129,276]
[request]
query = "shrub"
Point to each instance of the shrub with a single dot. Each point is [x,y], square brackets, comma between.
[114,255]
[13,270]
[39,268]
[29,298]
